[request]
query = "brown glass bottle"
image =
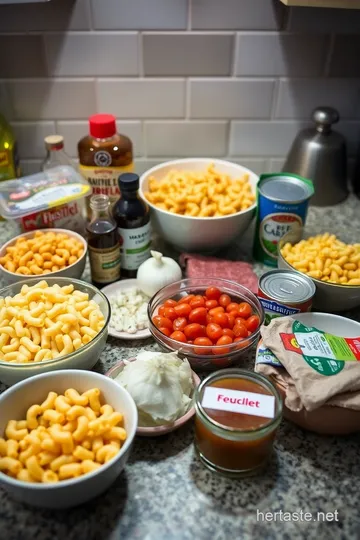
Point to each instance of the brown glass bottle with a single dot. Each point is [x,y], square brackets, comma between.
[103,243]
[132,216]
[103,155]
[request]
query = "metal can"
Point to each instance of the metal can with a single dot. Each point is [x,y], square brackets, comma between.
[285,292]
[282,203]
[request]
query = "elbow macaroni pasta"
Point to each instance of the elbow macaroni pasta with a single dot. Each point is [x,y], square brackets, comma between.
[55,443]
[326,258]
[201,193]
[42,323]
[44,253]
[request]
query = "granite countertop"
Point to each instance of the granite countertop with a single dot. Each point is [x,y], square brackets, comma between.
[165,493]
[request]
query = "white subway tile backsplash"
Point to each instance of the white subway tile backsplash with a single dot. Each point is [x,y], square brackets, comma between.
[187,54]
[5,102]
[30,166]
[92,54]
[142,165]
[184,139]
[236,14]
[142,98]
[225,98]
[74,131]
[339,21]
[30,137]
[256,165]
[51,99]
[22,56]
[280,54]
[344,60]
[276,165]
[351,132]
[298,97]
[263,138]
[139,14]
[47,16]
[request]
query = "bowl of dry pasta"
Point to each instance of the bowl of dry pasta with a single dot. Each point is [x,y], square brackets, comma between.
[55,252]
[64,437]
[52,324]
[200,204]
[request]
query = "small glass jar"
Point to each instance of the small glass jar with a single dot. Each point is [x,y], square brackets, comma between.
[234,443]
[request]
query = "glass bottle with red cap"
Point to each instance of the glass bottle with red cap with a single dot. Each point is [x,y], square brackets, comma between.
[103,155]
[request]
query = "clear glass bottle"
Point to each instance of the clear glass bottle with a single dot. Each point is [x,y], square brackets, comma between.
[55,153]
[103,243]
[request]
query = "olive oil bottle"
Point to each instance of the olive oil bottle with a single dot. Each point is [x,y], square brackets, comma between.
[9,160]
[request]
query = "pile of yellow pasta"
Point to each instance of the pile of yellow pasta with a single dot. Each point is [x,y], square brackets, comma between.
[326,258]
[46,252]
[42,323]
[65,437]
[201,193]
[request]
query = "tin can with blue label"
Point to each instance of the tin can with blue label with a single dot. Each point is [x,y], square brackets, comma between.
[282,204]
[285,292]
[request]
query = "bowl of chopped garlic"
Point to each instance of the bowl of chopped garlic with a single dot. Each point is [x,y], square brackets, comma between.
[64,437]
[52,324]
[200,204]
[333,265]
[49,252]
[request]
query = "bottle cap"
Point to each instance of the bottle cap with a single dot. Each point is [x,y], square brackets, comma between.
[54,142]
[102,126]
[129,182]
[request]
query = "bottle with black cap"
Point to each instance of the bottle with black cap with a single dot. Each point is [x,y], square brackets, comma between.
[132,216]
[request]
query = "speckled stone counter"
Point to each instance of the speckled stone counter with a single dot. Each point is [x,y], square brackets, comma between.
[165,493]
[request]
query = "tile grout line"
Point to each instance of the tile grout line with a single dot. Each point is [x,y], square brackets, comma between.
[235,55]
[140,55]
[189,15]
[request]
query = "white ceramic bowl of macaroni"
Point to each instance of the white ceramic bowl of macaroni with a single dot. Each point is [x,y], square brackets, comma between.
[74,270]
[67,493]
[199,233]
[83,358]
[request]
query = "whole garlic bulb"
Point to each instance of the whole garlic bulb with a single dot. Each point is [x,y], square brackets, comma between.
[157,272]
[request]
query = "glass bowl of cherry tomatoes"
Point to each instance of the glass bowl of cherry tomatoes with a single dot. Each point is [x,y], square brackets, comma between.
[211,321]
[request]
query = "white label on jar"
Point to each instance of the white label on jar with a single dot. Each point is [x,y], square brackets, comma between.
[134,246]
[237,401]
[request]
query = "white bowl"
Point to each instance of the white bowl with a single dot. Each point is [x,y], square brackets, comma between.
[199,233]
[13,406]
[74,270]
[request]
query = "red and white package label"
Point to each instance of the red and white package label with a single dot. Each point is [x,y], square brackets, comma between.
[238,401]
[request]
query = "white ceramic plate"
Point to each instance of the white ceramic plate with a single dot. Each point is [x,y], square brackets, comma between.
[111,291]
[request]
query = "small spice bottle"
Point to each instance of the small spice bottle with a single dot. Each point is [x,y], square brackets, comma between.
[237,416]
[132,216]
[103,243]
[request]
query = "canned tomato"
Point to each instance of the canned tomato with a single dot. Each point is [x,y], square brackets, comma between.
[282,203]
[285,292]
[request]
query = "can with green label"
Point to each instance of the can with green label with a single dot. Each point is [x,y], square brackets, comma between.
[282,204]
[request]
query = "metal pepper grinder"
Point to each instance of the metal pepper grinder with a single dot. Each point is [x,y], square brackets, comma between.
[320,155]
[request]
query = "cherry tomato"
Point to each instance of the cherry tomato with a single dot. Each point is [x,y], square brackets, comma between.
[240,330]
[228,332]
[239,320]
[242,343]
[194,330]
[170,313]
[252,323]
[170,302]
[161,311]
[178,336]
[221,319]
[186,299]
[214,331]
[233,306]
[203,341]
[197,301]
[214,310]
[198,315]
[231,320]
[224,300]
[233,312]
[212,293]
[245,310]
[180,323]
[224,340]
[211,304]
[165,330]
[190,342]
[162,321]
[182,310]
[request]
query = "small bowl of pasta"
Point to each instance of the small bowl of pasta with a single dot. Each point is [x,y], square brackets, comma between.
[200,204]
[47,252]
[64,437]
[50,324]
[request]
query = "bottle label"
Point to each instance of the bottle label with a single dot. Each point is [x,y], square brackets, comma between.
[105,264]
[103,181]
[134,246]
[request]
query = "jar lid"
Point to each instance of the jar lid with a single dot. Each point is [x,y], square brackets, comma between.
[54,142]
[129,182]
[102,126]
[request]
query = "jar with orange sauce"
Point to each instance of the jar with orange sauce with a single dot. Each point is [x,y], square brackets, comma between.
[229,441]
